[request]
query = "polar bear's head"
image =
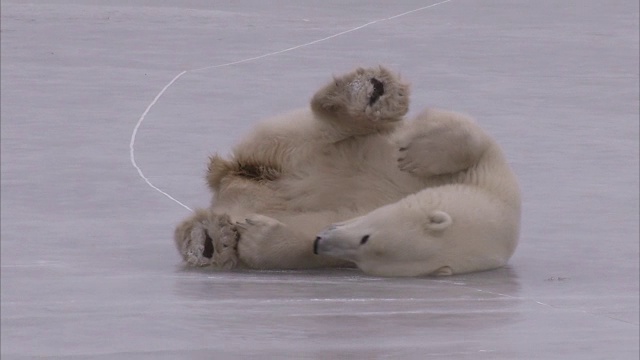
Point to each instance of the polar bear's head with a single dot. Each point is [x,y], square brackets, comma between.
[377,246]
[370,95]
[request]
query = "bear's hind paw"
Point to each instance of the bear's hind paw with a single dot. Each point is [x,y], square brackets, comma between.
[207,239]
[365,99]
[225,244]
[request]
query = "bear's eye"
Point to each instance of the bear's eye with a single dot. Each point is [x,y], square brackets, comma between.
[364,239]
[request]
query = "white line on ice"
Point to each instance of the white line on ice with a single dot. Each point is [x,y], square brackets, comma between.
[133,141]
[164,89]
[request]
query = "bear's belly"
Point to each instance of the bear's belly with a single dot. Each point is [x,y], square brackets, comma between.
[358,188]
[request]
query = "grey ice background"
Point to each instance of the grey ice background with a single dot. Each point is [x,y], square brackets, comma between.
[89,270]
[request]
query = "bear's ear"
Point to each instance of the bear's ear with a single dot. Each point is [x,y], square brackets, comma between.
[438,221]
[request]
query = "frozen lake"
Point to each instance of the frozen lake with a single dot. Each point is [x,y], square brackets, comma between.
[89,269]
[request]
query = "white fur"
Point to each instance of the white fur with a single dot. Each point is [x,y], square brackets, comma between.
[433,195]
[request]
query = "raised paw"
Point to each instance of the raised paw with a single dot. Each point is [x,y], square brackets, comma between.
[439,142]
[405,160]
[427,156]
[207,239]
[369,98]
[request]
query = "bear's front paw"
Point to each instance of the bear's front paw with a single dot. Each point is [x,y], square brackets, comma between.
[206,239]
[259,239]
[439,142]
[424,158]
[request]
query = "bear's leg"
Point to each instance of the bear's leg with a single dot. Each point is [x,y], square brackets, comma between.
[207,239]
[362,102]
[440,142]
[266,243]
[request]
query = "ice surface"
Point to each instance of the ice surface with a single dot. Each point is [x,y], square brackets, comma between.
[89,270]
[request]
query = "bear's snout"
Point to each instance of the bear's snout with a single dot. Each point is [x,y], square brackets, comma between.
[336,241]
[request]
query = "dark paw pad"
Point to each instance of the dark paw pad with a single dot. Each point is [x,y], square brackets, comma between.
[378,90]
[208,247]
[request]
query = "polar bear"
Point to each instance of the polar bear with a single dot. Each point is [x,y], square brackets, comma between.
[348,181]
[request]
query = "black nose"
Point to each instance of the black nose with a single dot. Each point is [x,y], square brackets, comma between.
[208,247]
[315,245]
